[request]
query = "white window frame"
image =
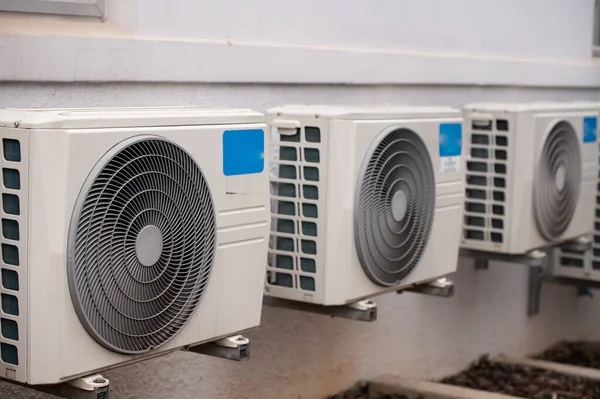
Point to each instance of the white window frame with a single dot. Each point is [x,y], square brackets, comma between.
[596,38]
[87,8]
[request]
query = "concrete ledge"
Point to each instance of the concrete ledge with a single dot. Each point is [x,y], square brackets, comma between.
[562,368]
[429,390]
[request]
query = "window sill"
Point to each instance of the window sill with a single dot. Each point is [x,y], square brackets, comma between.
[64,7]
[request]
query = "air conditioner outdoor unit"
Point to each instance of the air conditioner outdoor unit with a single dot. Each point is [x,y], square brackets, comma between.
[127,233]
[531,175]
[582,265]
[365,200]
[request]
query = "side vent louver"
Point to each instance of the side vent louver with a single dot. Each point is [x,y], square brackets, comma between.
[295,194]
[487,172]
[12,167]
[596,245]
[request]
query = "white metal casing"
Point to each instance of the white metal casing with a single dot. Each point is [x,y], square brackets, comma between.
[508,138]
[581,265]
[59,148]
[345,134]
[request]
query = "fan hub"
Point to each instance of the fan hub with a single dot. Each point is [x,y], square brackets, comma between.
[149,245]
[399,205]
[561,177]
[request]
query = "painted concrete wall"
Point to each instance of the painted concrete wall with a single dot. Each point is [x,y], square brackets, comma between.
[532,28]
[466,42]
[297,355]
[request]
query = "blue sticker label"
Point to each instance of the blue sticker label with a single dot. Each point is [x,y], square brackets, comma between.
[590,129]
[450,139]
[243,152]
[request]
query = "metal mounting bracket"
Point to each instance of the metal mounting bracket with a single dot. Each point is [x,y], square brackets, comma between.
[538,275]
[536,279]
[441,287]
[539,278]
[91,387]
[236,347]
[365,310]
[482,258]
[581,244]
[535,260]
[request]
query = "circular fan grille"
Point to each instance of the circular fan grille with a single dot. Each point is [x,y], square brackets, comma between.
[141,244]
[557,184]
[395,206]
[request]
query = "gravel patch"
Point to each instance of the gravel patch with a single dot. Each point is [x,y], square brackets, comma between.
[525,382]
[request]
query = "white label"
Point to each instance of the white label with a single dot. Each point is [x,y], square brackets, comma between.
[450,164]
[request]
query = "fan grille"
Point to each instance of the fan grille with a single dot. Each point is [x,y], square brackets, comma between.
[558,181]
[395,206]
[141,244]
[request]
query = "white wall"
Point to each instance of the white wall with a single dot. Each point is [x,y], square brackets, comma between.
[466,42]
[533,28]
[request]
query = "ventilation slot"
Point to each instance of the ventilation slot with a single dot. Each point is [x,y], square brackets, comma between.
[10,229]
[475,221]
[480,153]
[10,329]
[294,138]
[474,235]
[475,207]
[501,125]
[9,354]
[477,180]
[481,124]
[308,265]
[11,149]
[498,224]
[293,248]
[477,166]
[11,204]
[10,254]
[596,243]
[476,194]
[571,262]
[480,139]
[11,179]
[10,280]
[10,304]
